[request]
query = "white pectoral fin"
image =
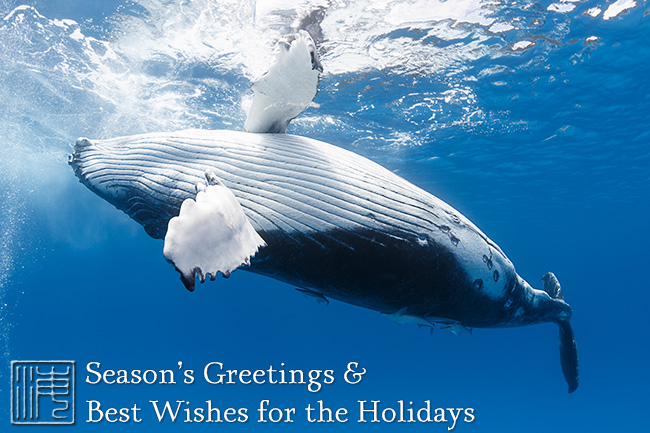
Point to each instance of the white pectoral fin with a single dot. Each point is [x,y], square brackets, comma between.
[288,87]
[210,235]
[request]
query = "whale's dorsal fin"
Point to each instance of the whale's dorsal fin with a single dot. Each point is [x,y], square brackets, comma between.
[287,88]
[210,235]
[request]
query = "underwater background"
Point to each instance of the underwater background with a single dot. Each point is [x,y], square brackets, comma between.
[531,118]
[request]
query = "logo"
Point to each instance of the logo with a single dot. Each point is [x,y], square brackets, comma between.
[42,392]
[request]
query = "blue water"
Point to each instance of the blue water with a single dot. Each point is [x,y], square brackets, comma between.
[544,145]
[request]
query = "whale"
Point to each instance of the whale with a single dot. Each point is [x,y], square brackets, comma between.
[323,219]
[334,223]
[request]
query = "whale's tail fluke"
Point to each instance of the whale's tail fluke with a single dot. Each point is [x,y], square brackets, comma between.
[568,348]
[568,355]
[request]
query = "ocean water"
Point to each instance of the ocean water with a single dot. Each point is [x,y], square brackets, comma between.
[531,118]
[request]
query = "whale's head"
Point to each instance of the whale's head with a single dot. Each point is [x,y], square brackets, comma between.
[150,197]
[288,87]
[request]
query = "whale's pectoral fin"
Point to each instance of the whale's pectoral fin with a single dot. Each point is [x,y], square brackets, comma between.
[568,347]
[288,87]
[210,235]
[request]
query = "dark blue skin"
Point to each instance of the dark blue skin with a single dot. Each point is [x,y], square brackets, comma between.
[386,274]
[390,274]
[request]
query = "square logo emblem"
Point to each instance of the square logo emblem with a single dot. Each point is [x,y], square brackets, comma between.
[42,392]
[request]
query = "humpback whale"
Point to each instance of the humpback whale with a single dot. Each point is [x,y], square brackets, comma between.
[329,221]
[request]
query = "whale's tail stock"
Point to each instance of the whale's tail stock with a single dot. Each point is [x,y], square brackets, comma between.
[568,348]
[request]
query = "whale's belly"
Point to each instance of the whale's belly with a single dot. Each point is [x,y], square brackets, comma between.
[334,221]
